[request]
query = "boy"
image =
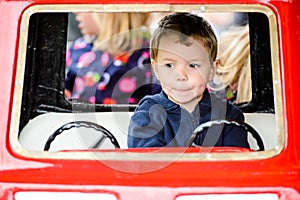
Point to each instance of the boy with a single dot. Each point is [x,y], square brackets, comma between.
[183,52]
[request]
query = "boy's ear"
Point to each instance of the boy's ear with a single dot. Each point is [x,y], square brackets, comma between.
[154,67]
[213,69]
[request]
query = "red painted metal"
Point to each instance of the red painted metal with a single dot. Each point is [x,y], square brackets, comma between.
[279,174]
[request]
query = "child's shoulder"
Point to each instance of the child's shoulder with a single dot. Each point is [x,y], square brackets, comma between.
[150,100]
[213,100]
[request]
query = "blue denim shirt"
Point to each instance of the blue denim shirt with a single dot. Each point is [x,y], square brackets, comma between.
[159,122]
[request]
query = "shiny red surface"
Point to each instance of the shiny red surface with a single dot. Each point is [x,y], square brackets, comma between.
[279,174]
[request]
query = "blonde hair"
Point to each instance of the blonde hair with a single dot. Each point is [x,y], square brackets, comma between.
[234,62]
[120,32]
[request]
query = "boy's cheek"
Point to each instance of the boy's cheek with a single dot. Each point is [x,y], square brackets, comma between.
[204,75]
[155,69]
[167,80]
[210,74]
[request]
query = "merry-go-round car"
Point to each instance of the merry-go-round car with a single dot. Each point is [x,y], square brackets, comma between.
[53,147]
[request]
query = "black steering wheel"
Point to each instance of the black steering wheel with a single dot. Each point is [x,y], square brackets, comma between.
[77,124]
[244,125]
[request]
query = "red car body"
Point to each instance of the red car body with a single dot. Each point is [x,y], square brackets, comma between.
[278,174]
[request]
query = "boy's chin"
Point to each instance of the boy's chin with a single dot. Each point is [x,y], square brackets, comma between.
[186,100]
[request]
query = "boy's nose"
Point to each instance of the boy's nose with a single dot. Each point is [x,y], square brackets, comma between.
[181,73]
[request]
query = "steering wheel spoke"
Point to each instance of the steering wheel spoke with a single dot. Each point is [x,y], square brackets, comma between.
[77,124]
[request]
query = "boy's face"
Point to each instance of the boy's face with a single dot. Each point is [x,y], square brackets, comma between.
[183,71]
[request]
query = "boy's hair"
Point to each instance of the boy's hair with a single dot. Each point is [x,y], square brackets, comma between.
[185,25]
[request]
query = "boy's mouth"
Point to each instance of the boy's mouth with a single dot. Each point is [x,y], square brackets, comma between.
[182,92]
[182,89]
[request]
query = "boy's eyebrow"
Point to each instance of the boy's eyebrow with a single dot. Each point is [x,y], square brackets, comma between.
[168,59]
[196,60]
[189,61]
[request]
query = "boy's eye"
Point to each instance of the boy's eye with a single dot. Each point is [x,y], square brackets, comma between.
[193,65]
[169,65]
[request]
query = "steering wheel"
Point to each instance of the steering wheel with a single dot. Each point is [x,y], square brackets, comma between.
[244,125]
[77,124]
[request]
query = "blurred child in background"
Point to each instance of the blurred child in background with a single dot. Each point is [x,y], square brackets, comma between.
[110,63]
[234,71]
